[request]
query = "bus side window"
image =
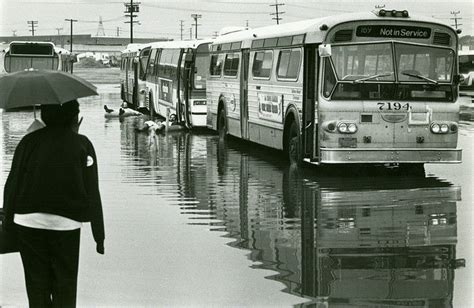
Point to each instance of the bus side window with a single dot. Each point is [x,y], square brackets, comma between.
[151,62]
[289,64]
[262,64]
[231,64]
[215,67]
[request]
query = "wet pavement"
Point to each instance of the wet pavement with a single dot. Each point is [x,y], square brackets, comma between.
[191,221]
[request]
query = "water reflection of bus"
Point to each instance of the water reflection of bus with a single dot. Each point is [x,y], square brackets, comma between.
[356,88]
[176,81]
[365,242]
[338,241]
[132,67]
[35,55]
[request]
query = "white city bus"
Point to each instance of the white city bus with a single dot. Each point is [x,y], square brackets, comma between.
[377,87]
[132,76]
[176,81]
[37,55]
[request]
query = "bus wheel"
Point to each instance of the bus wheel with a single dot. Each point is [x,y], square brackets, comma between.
[222,126]
[294,148]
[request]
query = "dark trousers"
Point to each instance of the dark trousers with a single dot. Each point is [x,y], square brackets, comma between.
[50,261]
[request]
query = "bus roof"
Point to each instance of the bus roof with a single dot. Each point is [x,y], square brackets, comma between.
[180,44]
[311,27]
[135,47]
[57,50]
[29,42]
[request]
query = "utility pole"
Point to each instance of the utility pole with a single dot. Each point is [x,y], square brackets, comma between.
[33,24]
[118,31]
[130,10]
[195,17]
[71,21]
[181,28]
[277,13]
[191,33]
[455,18]
[59,39]
[247,24]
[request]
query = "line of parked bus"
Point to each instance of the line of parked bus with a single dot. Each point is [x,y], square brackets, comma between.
[379,87]
[20,55]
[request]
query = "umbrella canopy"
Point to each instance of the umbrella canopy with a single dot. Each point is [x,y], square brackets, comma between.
[42,87]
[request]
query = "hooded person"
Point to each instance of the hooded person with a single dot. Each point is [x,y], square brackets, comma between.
[51,190]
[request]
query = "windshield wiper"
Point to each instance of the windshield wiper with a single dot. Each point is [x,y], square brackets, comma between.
[371,77]
[420,77]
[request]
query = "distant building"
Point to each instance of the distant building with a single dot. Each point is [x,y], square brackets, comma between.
[83,43]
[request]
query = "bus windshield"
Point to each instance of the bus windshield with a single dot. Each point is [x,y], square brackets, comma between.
[390,70]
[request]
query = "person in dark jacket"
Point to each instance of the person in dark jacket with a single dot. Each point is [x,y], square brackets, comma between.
[52,189]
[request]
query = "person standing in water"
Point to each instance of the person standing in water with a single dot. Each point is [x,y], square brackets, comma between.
[51,190]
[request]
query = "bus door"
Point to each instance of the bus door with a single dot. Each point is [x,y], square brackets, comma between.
[136,68]
[185,86]
[244,108]
[309,137]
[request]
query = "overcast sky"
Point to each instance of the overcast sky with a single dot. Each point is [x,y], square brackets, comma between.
[161,18]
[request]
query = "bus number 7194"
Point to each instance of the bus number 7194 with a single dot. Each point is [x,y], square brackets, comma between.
[393,106]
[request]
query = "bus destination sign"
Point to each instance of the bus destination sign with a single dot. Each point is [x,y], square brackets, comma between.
[394,31]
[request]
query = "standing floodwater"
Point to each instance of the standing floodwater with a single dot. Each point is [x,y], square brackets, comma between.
[192,221]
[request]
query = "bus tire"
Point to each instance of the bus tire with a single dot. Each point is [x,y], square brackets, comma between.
[294,145]
[222,126]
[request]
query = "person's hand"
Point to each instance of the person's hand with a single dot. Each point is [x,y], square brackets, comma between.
[100,248]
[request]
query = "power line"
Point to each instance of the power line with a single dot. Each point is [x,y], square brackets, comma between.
[277,13]
[236,12]
[33,24]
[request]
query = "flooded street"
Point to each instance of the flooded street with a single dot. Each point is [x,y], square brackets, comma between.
[194,222]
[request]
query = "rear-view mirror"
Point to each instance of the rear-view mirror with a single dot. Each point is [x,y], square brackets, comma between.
[324,50]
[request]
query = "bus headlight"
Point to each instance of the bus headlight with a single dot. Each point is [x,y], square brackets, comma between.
[352,128]
[346,127]
[443,128]
[435,128]
[342,128]
[199,103]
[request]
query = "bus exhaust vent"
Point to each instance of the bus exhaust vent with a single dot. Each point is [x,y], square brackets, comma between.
[343,36]
[442,39]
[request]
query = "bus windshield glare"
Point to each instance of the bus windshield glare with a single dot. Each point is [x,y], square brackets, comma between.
[389,70]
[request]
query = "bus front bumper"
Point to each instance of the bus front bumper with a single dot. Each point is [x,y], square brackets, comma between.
[350,156]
